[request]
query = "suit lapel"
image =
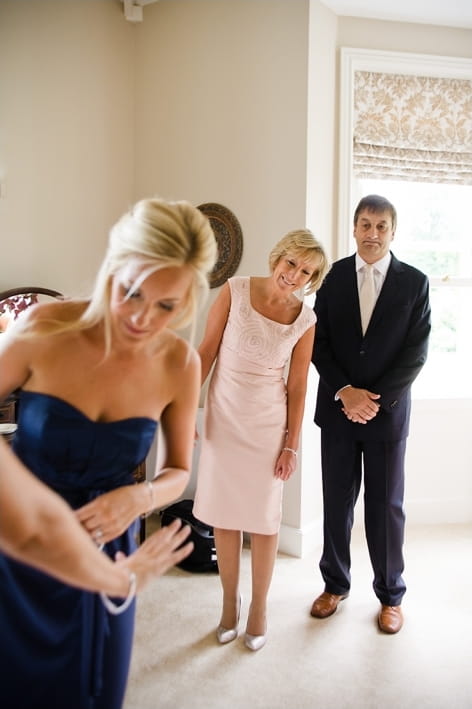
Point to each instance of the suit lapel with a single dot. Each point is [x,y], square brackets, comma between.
[348,287]
[389,292]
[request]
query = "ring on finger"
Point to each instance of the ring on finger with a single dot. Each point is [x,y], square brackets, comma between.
[98,534]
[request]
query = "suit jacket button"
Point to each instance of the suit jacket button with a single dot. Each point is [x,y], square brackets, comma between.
[362,353]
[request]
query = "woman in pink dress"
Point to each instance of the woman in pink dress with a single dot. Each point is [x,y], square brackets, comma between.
[259,336]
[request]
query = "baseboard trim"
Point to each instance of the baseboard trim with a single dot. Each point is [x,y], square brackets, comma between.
[301,542]
[439,511]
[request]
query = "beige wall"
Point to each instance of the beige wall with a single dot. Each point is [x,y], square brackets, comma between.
[203,100]
[221,96]
[302,509]
[66,137]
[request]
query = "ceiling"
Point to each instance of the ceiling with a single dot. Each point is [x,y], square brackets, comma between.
[447,13]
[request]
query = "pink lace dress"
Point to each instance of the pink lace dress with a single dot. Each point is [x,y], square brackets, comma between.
[245,418]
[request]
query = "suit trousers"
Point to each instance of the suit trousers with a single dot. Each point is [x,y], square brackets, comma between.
[343,461]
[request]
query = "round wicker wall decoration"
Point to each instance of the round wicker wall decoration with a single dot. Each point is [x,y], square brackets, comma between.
[229,238]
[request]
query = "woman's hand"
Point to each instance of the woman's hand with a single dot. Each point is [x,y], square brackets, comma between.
[158,553]
[286,465]
[110,514]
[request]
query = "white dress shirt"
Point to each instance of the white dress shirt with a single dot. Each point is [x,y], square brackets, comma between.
[380,271]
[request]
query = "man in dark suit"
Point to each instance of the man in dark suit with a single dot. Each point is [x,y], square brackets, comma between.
[366,368]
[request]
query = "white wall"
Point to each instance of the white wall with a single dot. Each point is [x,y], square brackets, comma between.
[404,37]
[438,485]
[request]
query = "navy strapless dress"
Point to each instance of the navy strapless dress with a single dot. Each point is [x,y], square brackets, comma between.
[59,648]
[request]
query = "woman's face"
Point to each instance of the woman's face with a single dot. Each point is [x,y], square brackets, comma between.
[293,272]
[138,314]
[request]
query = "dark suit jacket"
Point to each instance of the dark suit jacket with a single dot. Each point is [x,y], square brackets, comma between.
[385,361]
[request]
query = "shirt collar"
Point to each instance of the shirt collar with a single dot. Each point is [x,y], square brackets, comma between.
[381,266]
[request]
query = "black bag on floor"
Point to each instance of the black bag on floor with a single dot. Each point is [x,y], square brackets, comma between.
[203,556]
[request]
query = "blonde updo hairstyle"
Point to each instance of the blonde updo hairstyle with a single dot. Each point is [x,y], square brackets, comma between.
[157,234]
[303,244]
[154,234]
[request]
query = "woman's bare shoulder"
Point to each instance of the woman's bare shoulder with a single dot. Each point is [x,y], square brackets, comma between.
[58,310]
[179,352]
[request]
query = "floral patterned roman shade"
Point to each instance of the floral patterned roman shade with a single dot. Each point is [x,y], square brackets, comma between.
[412,128]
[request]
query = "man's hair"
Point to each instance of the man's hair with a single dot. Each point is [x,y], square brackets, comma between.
[375,203]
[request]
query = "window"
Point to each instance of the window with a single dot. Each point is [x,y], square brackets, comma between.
[433,231]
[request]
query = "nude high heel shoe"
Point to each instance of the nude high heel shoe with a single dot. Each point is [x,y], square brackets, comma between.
[255,642]
[226,635]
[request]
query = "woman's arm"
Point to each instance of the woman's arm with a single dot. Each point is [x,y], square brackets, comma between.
[38,528]
[177,435]
[296,386]
[296,393]
[215,326]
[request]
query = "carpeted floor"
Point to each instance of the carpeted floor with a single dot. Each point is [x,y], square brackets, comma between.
[342,662]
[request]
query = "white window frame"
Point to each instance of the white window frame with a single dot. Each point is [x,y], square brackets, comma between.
[353,60]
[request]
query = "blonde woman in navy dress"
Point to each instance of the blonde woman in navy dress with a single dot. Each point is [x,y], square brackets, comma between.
[259,337]
[96,377]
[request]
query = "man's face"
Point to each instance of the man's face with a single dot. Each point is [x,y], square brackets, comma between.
[373,233]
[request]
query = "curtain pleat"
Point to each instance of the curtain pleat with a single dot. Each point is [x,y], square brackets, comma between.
[412,127]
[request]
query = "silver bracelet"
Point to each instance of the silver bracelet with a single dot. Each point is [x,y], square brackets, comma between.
[112,607]
[150,487]
[291,450]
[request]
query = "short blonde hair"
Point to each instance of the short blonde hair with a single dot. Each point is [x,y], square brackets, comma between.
[154,234]
[303,244]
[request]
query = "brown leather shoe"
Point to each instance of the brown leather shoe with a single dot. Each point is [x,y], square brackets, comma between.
[390,619]
[326,604]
